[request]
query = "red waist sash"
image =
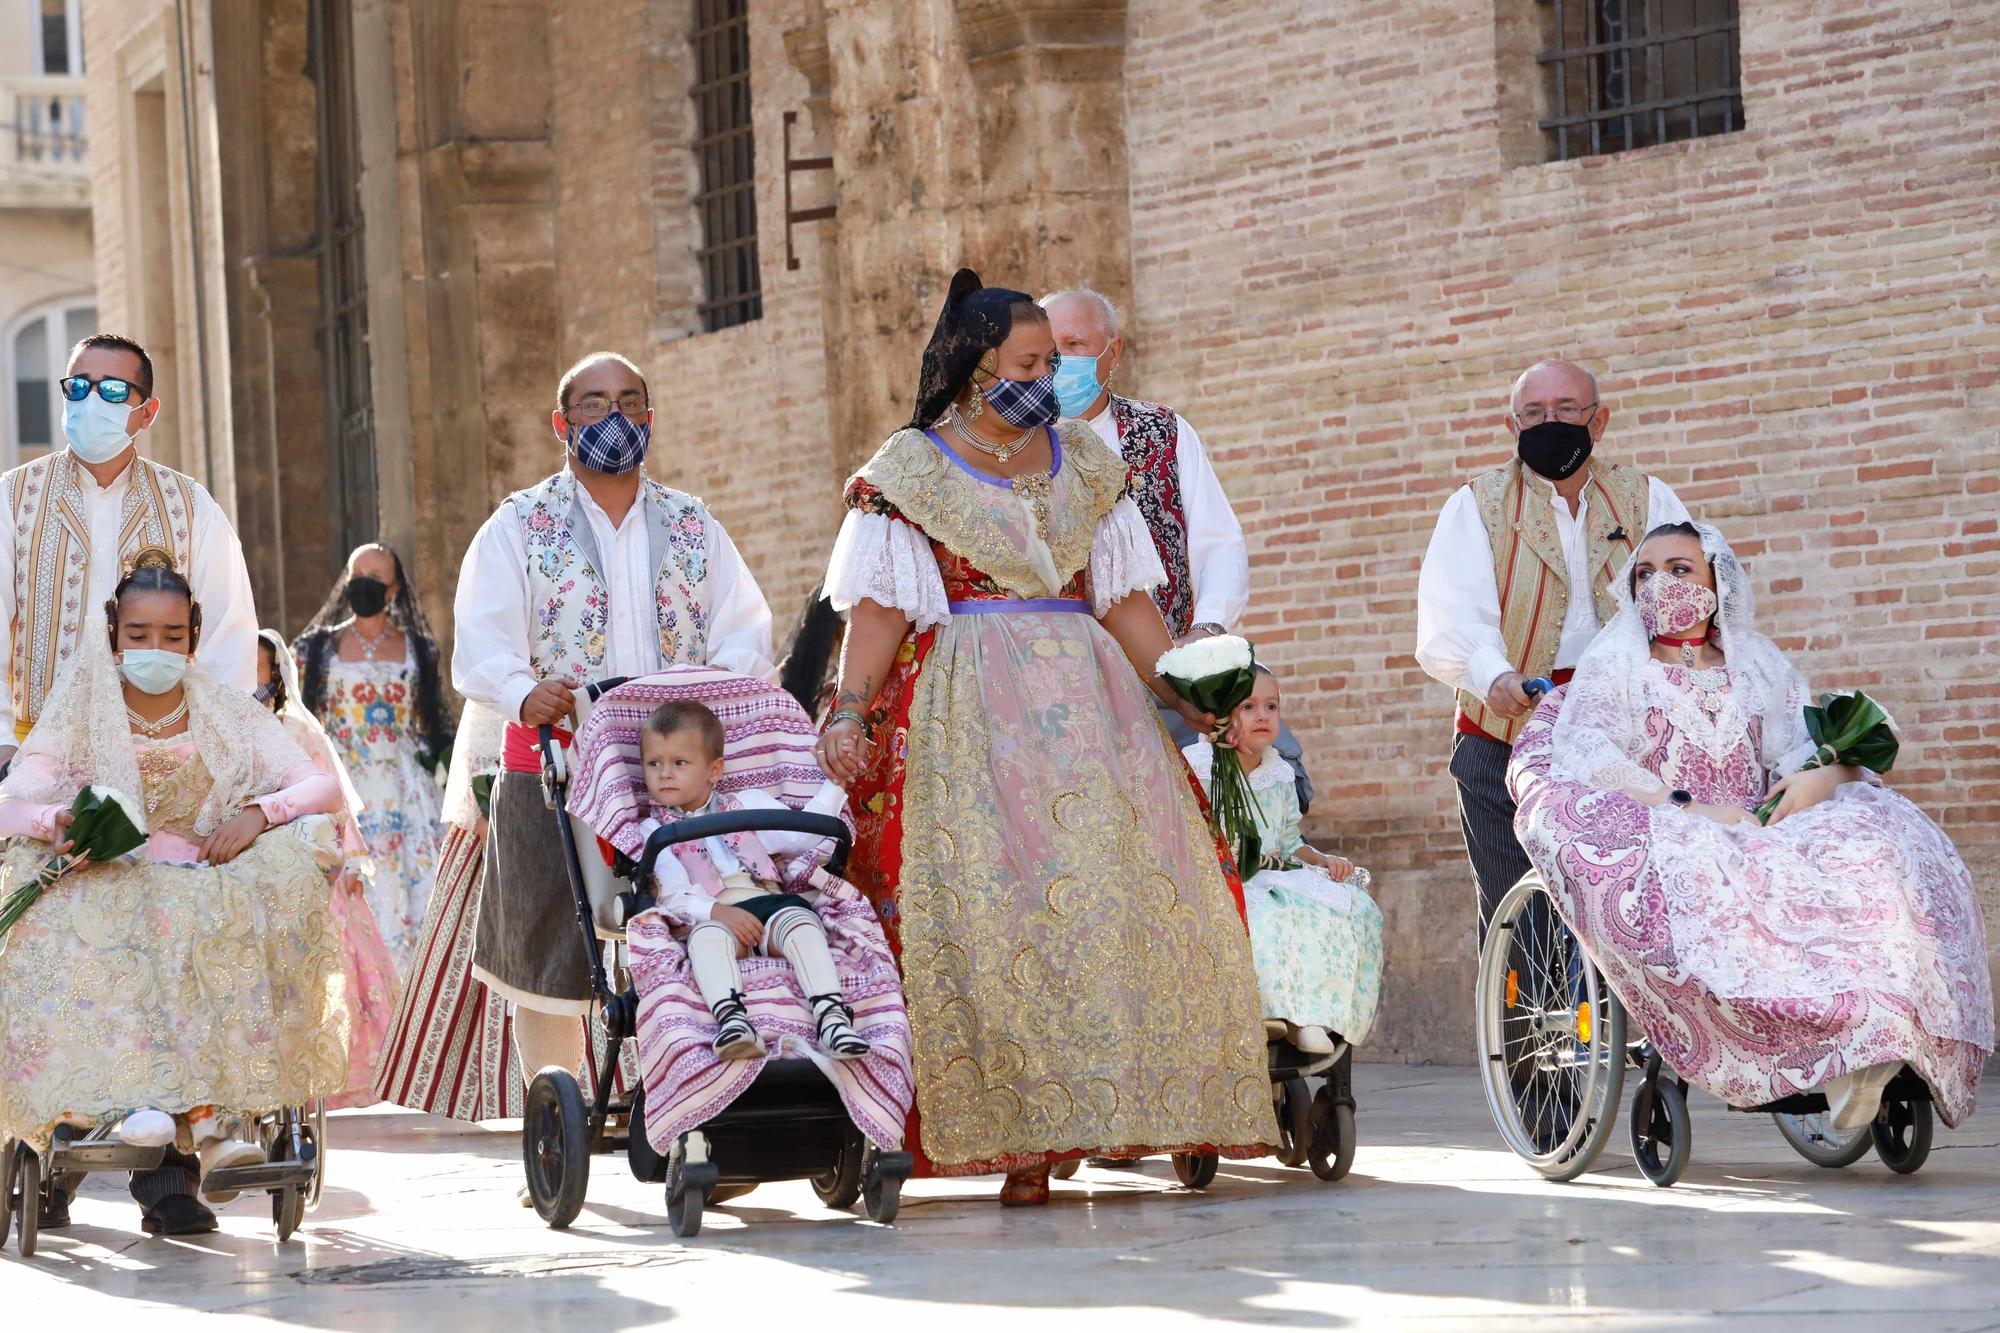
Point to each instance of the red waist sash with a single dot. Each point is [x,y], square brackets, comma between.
[1467,727]
[521,750]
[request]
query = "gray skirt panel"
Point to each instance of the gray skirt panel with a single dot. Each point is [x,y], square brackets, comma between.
[528,943]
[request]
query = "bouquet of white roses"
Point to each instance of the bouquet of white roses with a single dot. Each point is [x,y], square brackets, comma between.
[1216,675]
[104,825]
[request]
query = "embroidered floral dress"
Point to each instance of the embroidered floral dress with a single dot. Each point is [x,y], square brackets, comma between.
[1077,973]
[1317,940]
[370,717]
[1761,961]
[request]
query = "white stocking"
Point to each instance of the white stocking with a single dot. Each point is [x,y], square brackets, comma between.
[798,936]
[712,955]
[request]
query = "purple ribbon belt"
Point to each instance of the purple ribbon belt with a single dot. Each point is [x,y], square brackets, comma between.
[1021,604]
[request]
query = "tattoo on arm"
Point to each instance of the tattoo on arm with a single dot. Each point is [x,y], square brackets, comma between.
[857,696]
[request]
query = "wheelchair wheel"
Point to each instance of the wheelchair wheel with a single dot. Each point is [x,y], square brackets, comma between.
[316,1135]
[288,1202]
[7,1150]
[1551,1037]
[1902,1133]
[1814,1138]
[27,1199]
[1196,1170]
[555,1146]
[1065,1170]
[1295,1121]
[1660,1144]
[1330,1140]
[841,1186]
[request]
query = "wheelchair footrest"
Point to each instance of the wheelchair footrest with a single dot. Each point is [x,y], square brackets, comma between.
[267,1176]
[104,1156]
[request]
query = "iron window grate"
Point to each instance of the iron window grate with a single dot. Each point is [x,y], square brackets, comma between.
[725,147]
[1627,74]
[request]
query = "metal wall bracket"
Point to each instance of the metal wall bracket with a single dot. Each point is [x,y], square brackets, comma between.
[794,216]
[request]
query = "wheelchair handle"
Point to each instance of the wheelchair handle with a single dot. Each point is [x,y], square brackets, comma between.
[1537,687]
[696,827]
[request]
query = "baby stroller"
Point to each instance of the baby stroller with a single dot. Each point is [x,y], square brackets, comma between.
[790,1122]
[1553,1051]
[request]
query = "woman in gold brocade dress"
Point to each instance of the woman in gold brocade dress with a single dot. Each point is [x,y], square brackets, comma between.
[196,981]
[1078,974]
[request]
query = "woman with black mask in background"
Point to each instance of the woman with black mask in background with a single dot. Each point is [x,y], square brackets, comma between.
[371,676]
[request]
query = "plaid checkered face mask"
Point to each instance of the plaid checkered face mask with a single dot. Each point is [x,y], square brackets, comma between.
[1025,403]
[614,444]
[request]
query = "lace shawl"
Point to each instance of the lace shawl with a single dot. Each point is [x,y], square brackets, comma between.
[475,750]
[1601,734]
[83,737]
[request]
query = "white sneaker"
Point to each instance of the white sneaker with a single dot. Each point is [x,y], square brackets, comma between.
[147,1129]
[1313,1040]
[1852,1102]
[219,1154]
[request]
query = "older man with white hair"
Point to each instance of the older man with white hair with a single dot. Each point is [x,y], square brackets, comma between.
[1199,540]
[1517,582]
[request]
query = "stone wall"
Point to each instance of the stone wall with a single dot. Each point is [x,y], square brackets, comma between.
[1339,269]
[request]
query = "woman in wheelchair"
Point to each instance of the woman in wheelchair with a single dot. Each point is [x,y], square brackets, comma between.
[174,991]
[1824,951]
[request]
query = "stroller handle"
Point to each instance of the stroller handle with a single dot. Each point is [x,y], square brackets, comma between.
[696,827]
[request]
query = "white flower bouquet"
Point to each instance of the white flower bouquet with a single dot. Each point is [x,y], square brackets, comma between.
[1216,675]
[104,825]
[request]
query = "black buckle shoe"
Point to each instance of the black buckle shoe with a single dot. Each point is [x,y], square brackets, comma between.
[178,1215]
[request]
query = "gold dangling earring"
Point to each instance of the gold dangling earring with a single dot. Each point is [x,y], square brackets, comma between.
[977,407]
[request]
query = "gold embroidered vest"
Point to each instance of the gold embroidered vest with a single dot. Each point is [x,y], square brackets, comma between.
[52,555]
[1531,574]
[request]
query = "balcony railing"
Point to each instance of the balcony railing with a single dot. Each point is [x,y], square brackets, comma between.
[43,143]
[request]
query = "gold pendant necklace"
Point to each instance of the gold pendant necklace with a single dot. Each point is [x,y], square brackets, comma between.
[998,452]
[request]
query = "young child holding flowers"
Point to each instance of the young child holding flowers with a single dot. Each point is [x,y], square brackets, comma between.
[1315,933]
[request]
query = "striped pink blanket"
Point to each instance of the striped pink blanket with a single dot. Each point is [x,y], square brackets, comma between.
[687,1086]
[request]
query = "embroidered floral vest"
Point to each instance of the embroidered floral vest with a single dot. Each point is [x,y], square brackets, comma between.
[1149,436]
[567,591]
[52,556]
[1529,570]
[701,871]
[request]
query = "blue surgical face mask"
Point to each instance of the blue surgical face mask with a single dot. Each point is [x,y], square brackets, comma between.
[1077,385]
[1025,403]
[95,429]
[152,670]
[615,444]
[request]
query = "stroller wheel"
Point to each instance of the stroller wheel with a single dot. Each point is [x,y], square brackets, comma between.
[883,1198]
[28,1198]
[1551,1037]
[1330,1140]
[683,1204]
[1814,1138]
[1196,1170]
[1295,1117]
[555,1146]
[1902,1133]
[1066,1169]
[1661,1136]
[841,1186]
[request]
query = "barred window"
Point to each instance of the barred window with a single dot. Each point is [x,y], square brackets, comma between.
[726,150]
[1625,74]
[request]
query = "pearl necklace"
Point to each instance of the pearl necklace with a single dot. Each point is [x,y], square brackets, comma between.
[998,452]
[153,729]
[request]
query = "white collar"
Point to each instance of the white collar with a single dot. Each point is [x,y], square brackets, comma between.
[594,510]
[1103,417]
[88,479]
[1274,771]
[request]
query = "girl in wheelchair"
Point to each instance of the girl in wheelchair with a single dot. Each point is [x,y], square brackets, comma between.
[190,987]
[730,888]
[1825,951]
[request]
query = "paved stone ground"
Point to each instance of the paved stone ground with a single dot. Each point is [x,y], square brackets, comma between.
[1437,1227]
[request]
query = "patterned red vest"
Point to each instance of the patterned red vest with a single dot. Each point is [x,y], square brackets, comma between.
[1149,438]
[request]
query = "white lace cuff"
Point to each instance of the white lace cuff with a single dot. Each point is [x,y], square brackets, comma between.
[1123,559]
[888,562]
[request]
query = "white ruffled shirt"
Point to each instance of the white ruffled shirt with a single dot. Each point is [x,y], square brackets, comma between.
[1458,603]
[890,562]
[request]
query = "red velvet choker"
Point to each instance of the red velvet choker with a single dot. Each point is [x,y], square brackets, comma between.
[1684,643]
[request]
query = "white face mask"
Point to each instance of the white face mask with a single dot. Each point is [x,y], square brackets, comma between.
[153,670]
[95,429]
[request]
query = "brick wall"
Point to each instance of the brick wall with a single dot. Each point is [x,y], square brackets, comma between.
[1337,275]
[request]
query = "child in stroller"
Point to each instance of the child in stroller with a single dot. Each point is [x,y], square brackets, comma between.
[730,887]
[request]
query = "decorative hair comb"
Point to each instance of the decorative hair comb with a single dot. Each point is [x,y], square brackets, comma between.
[149,557]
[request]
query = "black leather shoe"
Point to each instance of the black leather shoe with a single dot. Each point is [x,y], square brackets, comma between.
[55,1212]
[178,1215]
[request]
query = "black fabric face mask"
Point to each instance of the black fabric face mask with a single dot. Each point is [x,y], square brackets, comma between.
[366,596]
[1555,449]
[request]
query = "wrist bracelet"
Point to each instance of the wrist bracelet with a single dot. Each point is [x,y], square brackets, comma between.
[848,715]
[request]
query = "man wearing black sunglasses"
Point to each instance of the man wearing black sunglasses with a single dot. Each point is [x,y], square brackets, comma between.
[80,513]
